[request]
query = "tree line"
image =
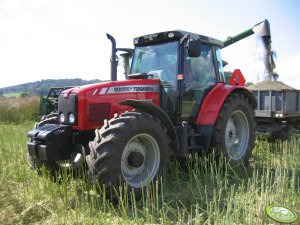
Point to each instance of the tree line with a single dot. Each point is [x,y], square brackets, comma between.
[42,87]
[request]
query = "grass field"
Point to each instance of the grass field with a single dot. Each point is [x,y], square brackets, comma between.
[19,110]
[13,94]
[203,193]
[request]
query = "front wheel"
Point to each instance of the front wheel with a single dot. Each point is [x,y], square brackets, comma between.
[131,148]
[75,166]
[234,132]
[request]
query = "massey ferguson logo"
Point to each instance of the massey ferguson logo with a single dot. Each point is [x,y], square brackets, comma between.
[133,88]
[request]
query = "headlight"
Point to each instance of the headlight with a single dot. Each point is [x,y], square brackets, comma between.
[71,118]
[135,41]
[171,35]
[62,118]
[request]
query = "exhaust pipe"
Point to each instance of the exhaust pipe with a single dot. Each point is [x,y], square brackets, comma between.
[113,59]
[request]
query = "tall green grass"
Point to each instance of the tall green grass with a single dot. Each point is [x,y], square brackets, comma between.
[19,110]
[13,94]
[201,192]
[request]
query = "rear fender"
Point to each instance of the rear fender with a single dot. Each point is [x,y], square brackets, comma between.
[211,107]
[154,110]
[213,102]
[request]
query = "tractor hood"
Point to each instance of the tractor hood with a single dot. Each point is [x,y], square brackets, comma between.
[92,104]
[115,87]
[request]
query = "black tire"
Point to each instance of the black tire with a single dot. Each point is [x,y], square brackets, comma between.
[287,133]
[131,148]
[273,136]
[284,134]
[36,164]
[234,131]
[74,167]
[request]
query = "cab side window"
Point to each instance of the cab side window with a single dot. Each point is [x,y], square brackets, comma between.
[220,65]
[202,70]
[200,77]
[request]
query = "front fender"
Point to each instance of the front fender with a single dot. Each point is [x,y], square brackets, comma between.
[154,110]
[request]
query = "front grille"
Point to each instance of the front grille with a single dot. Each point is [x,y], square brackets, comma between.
[98,112]
[67,105]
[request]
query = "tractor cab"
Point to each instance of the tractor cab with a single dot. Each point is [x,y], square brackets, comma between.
[188,66]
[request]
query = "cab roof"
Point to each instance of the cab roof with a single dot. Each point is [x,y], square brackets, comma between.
[174,35]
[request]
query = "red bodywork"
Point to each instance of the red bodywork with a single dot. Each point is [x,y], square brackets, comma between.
[97,102]
[237,78]
[100,101]
[213,101]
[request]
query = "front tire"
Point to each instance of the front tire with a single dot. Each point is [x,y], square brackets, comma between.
[131,148]
[234,132]
[75,166]
[37,164]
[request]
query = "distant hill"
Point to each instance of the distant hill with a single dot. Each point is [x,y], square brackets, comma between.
[42,87]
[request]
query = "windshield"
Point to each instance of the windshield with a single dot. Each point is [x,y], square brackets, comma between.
[160,61]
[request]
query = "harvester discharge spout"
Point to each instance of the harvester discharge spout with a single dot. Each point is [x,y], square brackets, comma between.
[262,30]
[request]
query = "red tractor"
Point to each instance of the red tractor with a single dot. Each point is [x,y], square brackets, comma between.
[174,102]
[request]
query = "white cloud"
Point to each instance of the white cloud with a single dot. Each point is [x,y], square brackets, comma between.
[42,39]
[289,71]
[241,56]
[50,39]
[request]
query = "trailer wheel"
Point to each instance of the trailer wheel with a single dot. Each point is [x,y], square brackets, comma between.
[74,166]
[234,131]
[131,148]
[287,133]
[284,134]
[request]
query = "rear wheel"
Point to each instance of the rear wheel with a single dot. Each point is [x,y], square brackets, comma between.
[131,148]
[234,132]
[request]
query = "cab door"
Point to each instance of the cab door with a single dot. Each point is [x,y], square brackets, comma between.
[200,78]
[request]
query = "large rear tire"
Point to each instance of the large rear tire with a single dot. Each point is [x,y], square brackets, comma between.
[131,148]
[234,132]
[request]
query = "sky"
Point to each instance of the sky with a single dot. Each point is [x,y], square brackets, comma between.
[53,39]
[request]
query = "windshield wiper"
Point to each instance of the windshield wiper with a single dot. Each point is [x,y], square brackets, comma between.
[139,76]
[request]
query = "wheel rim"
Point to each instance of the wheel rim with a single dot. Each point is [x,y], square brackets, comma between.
[146,148]
[75,161]
[237,135]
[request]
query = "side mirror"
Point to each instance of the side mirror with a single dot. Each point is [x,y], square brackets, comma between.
[224,63]
[194,48]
